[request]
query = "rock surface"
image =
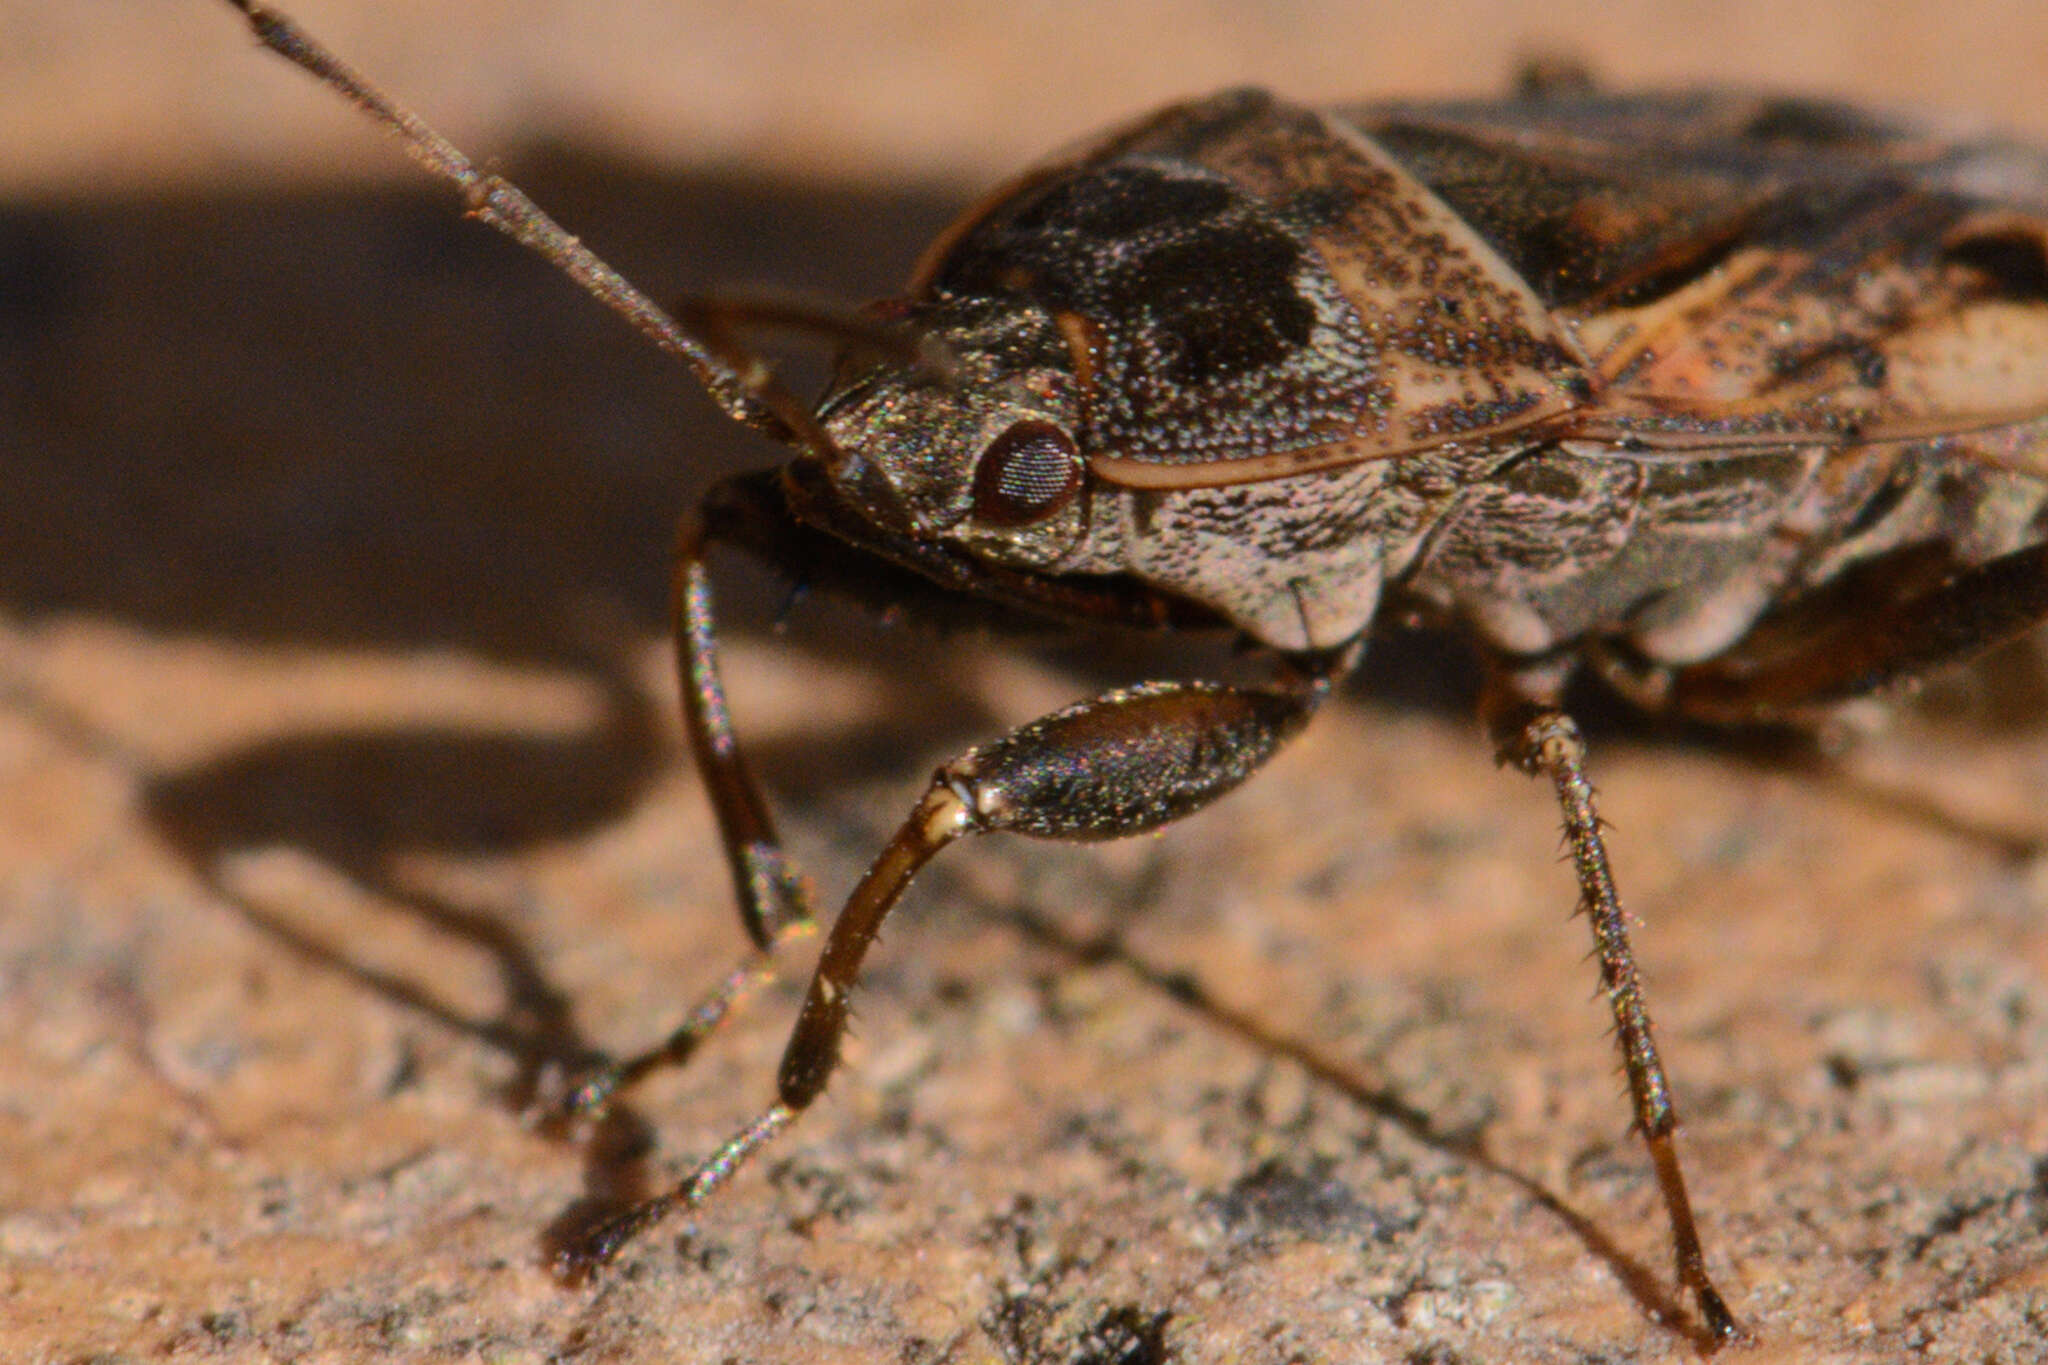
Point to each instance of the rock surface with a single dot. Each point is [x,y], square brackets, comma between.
[339,788]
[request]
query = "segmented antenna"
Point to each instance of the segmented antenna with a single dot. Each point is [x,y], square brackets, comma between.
[738,379]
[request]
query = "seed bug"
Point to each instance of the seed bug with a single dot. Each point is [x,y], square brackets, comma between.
[1737,404]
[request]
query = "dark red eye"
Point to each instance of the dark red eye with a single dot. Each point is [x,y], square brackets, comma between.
[1028,473]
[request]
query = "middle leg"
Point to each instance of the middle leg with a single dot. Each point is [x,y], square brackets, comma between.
[1531,732]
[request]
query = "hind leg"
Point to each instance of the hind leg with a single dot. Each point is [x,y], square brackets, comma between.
[1862,652]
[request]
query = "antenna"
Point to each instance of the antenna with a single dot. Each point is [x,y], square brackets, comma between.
[738,379]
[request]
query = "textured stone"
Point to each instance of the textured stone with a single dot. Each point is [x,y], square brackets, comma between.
[337,775]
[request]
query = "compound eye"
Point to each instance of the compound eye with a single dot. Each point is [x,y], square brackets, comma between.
[1028,473]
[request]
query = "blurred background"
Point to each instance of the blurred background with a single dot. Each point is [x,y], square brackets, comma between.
[99,94]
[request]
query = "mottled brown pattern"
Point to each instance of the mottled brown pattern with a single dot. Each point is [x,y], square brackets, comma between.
[1269,293]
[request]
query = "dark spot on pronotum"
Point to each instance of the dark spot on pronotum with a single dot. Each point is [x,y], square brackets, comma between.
[2015,263]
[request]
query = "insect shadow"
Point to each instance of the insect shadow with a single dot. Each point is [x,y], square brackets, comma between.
[209,438]
[360,802]
[363,802]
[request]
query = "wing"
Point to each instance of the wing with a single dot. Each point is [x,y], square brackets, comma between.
[1745,271]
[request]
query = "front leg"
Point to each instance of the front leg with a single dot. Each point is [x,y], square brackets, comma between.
[1122,763]
[774,901]
[755,512]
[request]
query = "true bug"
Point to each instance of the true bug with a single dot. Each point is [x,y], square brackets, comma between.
[1736,403]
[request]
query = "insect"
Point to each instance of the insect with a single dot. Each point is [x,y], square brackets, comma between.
[1738,404]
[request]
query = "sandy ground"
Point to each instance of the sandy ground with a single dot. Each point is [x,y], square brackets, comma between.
[339,790]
